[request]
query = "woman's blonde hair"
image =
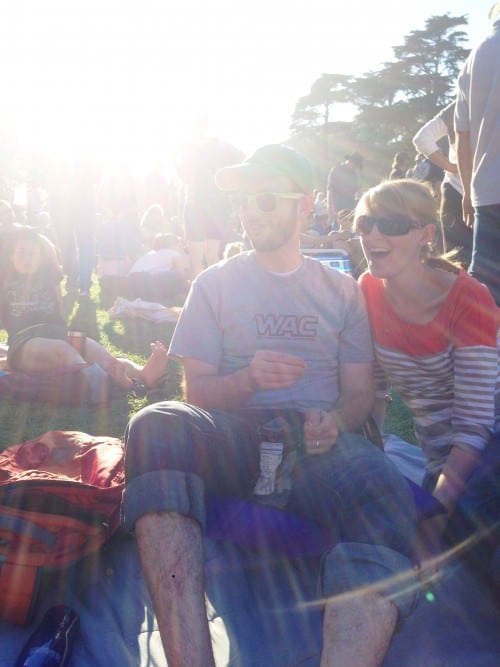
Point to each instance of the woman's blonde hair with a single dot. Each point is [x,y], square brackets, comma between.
[414,200]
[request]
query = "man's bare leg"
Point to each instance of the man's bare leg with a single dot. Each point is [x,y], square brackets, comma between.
[357,630]
[171,553]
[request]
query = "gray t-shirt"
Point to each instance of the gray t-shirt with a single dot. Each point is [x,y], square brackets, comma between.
[316,313]
[478,112]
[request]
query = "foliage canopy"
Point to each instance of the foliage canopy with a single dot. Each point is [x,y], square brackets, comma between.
[390,104]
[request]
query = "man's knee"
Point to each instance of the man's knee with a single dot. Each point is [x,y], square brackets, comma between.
[158,468]
[149,436]
[152,422]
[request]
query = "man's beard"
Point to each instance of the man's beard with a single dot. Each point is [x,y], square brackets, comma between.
[279,234]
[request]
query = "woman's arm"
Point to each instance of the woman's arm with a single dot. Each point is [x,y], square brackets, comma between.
[452,480]
[475,370]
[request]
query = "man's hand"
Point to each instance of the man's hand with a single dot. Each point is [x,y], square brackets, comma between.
[320,431]
[468,211]
[274,370]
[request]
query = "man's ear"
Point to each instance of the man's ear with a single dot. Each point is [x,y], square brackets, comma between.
[305,207]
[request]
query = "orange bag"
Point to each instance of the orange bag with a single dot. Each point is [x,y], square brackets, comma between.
[60,500]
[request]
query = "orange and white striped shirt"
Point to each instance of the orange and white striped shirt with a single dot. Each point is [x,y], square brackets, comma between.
[446,371]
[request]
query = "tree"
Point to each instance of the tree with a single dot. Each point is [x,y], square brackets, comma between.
[312,115]
[392,102]
[405,93]
[313,110]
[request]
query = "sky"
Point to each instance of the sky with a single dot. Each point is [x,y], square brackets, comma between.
[128,81]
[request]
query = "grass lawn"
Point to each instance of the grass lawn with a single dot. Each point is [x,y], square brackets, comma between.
[22,421]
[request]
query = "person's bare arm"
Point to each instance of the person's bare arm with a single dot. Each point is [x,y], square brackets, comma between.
[452,480]
[267,370]
[442,161]
[379,412]
[464,158]
[330,204]
[357,396]
[356,401]
[59,299]
[426,142]
[451,483]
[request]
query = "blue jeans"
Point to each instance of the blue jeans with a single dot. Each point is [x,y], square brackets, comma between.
[485,264]
[478,509]
[177,455]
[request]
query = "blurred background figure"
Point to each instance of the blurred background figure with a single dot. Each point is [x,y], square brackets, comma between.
[207,211]
[426,171]
[119,204]
[161,274]
[455,232]
[151,224]
[343,185]
[320,219]
[233,248]
[400,165]
[346,239]
[478,152]
[7,218]
[72,207]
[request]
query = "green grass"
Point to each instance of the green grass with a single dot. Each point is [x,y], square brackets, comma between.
[398,420]
[25,420]
[131,338]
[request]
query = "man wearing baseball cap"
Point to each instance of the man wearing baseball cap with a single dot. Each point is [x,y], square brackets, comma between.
[272,335]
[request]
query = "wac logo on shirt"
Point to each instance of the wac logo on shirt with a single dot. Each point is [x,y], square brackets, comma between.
[286,326]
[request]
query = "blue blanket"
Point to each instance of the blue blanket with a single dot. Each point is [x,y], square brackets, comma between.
[263,611]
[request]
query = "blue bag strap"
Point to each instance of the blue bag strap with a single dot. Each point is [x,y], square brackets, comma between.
[17,525]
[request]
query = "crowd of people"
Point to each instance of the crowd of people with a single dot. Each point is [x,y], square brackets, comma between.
[271,333]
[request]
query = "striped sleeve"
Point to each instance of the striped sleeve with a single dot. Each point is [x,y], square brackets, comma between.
[476,371]
[476,366]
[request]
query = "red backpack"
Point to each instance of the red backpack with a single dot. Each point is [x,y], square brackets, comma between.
[60,500]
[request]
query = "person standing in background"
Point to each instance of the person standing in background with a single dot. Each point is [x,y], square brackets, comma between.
[455,231]
[478,150]
[400,165]
[343,185]
[207,210]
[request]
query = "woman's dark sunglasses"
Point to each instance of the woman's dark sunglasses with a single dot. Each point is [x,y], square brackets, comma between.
[265,201]
[363,225]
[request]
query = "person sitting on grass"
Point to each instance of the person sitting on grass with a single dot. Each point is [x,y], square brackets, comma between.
[435,336]
[31,312]
[151,224]
[166,254]
[162,274]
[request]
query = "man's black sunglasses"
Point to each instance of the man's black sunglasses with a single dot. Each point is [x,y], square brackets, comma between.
[363,225]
